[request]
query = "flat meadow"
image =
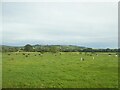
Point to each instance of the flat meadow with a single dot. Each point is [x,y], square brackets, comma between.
[59,70]
[0,70]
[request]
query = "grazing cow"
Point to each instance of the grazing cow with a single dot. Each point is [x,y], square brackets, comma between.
[8,54]
[40,54]
[26,55]
[60,53]
[116,55]
[23,53]
[87,54]
[82,59]
[109,54]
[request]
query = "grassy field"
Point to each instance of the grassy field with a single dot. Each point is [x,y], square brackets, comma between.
[0,70]
[59,71]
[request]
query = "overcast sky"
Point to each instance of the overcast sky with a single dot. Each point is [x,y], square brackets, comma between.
[85,24]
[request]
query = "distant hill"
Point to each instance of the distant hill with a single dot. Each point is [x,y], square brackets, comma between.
[59,46]
[62,48]
[44,47]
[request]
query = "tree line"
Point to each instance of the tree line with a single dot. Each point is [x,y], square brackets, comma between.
[53,49]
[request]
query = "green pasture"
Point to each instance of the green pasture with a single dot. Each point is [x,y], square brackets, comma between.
[0,70]
[65,70]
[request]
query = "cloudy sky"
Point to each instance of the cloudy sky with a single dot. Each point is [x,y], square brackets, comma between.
[91,24]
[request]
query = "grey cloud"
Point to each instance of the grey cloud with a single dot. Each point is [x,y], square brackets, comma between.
[64,23]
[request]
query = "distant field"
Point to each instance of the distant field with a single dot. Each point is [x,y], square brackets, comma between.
[65,70]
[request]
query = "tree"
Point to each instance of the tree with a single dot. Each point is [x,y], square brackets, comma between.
[108,50]
[54,49]
[28,48]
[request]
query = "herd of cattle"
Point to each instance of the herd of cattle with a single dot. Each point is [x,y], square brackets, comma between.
[81,58]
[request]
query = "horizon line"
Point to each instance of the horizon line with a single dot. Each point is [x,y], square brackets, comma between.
[60,45]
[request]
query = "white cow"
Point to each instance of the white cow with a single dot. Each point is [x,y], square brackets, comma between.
[82,59]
